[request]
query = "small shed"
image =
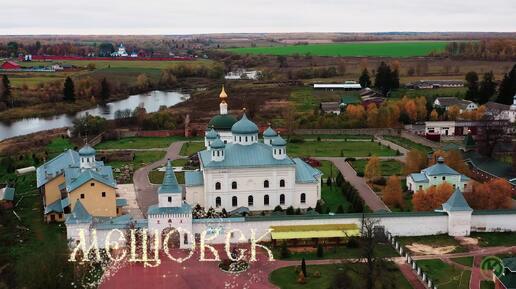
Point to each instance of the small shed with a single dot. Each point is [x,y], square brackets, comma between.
[10,65]
[7,197]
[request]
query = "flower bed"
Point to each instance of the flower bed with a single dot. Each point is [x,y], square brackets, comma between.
[229,266]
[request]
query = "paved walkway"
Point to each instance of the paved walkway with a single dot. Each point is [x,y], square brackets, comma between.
[145,191]
[369,196]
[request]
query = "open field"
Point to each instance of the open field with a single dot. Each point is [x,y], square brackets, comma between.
[140,159]
[445,276]
[338,149]
[286,278]
[191,148]
[333,198]
[388,49]
[138,142]
[495,239]
[387,167]
[99,64]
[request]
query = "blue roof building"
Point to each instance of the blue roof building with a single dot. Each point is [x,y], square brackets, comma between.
[436,175]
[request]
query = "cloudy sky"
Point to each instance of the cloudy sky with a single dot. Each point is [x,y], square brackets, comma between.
[212,16]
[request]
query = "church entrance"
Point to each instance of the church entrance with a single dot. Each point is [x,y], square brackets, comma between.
[174,238]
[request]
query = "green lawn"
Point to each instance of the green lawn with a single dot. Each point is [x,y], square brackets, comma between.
[333,198]
[58,145]
[495,239]
[286,277]
[335,136]
[388,49]
[101,64]
[138,143]
[328,169]
[466,261]
[484,284]
[459,92]
[191,148]
[140,159]
[156,177]
[387,167]
[337,149]
[408,144]
[445,276]
[434,241]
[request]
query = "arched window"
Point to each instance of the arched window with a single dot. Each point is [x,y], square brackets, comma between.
[185,238]
[218,202]
[282,183]
[266,183]
[266,200]
[234,185]
[250,201]
[303,198]
[217,186]
[282,199]
[234,201]
[246,139]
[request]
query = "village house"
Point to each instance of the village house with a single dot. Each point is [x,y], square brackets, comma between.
[10,65]
[77,176]
[463,127]
[447,102]
[499,111]
[435,175]
[428,84]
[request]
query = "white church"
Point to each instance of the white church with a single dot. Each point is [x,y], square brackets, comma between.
[240,170]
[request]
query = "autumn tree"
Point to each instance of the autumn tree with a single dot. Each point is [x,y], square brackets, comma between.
[356,112]
[143,81]
[494,194]
[453,112]
[372,116]
[453,159]
[392,192]
[421,109]
[415,161]
[410,109]
[372,168]
[432,198]
[434,115]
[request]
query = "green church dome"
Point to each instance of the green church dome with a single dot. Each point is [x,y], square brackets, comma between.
[222,122]
[244,126]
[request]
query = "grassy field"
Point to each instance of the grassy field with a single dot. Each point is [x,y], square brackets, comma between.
[140,159]
[340,252]
[338,149]
[495,239]
[387,167]
[466,261]
[328,169]
[388,49]
[459,92]
[156,177]
[445,276]
[333,198]
[286,277]
[101,64]
[138,142]
[191,148]
[408,144]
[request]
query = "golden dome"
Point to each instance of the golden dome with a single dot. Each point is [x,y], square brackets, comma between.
[223,93]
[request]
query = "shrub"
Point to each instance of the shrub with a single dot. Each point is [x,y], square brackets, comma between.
[320,251]
[303,267]
[284,252]
[340,210]
[317,274]
[290,210]
[353,242]
[318,138]
[301,278]
[278,209]
[350,159]
[381,181]
[296,140]
[360,174]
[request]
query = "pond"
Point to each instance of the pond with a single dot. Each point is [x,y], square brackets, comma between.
[151,101]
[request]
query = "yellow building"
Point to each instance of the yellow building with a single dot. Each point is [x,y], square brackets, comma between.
[73,176]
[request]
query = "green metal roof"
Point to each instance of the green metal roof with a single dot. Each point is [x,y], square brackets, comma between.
[217,144]
[211,134]
[457,203]
[241,156]
[305,173]
[269,132]
[419,178]
[193,179]
[510,263]
[491,166]
[120,202]
[7,194]
[169,185]
[56,167]
[75,177]
[469,142]
[120,222]
[439,169]
[55,207]
[156,210]
[350,99]
[244,126]
[78,215]
[87,150]
[278,141]
[222,122]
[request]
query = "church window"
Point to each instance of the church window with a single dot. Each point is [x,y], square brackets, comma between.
[282,199]
[234,185]
[217,186]
[303,198]
[444,178]
[185,239]
[266,200]
[170,199]
[218,202]
[266,183]
[234,201]
[246,139]
[282,183]
[250,201]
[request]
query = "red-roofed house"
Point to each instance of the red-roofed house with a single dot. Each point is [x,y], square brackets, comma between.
[10,65]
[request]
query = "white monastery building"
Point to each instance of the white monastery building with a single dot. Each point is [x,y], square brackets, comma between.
[238,169]
[436,175]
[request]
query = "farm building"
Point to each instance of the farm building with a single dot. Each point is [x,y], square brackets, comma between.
[447,102]
[330,107]
[10,65]
[499,111]
[462,127]
[426,84]
[347,85]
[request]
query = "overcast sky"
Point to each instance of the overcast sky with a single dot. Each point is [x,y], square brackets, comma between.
[212,16]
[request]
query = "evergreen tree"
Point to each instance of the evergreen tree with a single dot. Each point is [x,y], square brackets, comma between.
[69,90]
[472,85]
[487,87]
[395,79]
[507,87]
[365,79]
[105,90]
[320,251]
[6,90]
[303,267]
[383,79]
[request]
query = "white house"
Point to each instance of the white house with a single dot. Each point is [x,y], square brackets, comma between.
[436,175]
[447,102]
[499,111]
[237,170]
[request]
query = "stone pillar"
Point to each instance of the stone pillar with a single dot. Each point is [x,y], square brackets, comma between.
[413,265]
[424,277]
[429,283]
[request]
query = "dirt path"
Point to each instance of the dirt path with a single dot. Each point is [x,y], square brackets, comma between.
[369,196]
[145,191]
